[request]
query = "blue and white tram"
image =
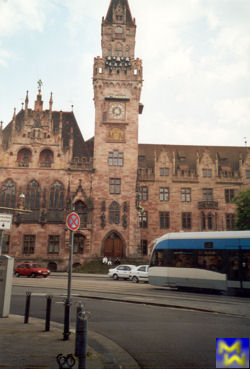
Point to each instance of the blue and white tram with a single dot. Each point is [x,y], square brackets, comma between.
[207,260]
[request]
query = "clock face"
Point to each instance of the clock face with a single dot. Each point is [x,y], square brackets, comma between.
[117,111]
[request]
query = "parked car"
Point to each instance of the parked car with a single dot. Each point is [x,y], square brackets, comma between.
[139,274]
[121,271]
[31,270]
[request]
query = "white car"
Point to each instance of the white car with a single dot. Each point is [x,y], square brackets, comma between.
[139,274]
[121,271]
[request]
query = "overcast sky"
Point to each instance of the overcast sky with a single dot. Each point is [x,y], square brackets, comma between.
[196,58]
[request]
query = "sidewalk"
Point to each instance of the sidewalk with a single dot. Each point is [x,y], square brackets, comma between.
[28,346]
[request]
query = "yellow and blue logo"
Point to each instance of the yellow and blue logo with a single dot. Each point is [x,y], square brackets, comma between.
[232,352]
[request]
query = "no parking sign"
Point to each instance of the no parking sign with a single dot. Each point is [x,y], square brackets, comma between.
[73,221]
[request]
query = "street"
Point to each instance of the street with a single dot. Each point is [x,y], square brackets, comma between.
[156,336]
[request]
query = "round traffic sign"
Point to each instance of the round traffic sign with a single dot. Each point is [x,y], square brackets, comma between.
[73,221]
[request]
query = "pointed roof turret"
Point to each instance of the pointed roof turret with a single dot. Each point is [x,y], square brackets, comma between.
[119,12]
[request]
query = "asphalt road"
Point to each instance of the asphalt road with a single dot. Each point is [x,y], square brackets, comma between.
[157,337]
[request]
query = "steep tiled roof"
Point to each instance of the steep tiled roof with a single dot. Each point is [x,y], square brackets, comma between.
[186,155]
[113,5]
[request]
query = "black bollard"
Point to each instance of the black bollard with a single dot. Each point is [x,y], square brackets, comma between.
[66,332]
[48,313]
[27,307]
[81,337]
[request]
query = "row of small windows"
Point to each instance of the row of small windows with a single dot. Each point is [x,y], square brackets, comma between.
[208,221]
[53,245]
[206,173]
[164,194]
[118,51]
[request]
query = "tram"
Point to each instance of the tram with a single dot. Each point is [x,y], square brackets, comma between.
[204,260]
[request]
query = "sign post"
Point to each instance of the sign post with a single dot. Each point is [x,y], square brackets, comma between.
[73,224]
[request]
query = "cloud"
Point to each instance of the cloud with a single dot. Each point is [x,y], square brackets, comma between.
[17,15]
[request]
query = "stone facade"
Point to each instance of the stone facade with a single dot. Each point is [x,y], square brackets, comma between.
[126,193]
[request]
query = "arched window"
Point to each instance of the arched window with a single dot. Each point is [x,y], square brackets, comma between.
[32,196]
[56,197]
[82,210]
[8,194]
[46,158]
[24,158]
[79,241]
[127,51]
[118,50]
[114,213]
[119,30]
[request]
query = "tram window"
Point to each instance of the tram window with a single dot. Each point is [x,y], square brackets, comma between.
[211,260]
[208,245]
[183,259]
[158,258]
[245,265]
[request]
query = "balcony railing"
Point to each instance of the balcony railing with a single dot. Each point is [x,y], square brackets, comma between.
[208,205]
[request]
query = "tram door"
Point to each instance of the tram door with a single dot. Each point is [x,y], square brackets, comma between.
[113,246]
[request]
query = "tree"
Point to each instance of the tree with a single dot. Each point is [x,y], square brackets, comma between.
[242,200]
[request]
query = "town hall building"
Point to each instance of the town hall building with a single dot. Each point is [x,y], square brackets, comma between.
[126,193]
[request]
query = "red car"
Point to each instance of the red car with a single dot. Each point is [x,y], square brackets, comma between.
[31,270]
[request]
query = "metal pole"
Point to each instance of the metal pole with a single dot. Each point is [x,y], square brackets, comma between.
[81,337]
[66,332]
[1,241]
[48,313]
[27,308]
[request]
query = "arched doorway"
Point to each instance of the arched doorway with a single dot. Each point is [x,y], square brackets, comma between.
[113,246]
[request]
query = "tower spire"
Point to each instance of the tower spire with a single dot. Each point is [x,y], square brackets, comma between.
[119,12]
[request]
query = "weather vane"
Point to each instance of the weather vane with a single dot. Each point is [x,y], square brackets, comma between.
[39,83]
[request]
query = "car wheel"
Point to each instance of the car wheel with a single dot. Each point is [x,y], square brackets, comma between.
[17,274]
[33,275]
[135,279]
[115,277]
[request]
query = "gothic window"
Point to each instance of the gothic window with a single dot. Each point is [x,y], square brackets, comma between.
[248,174]
[53,244]
[8,194]
[56,198]
[24,158]
[143,219]
[82,210]
[79,242]
[115,186]
[114,213]
[46,158]
[29,241]
[127,51]
[109,50]
[32,197]
[186,220]
[164,194]
[186,194]
[164,219]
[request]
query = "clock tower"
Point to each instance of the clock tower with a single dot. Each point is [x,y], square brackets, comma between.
[117,81]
